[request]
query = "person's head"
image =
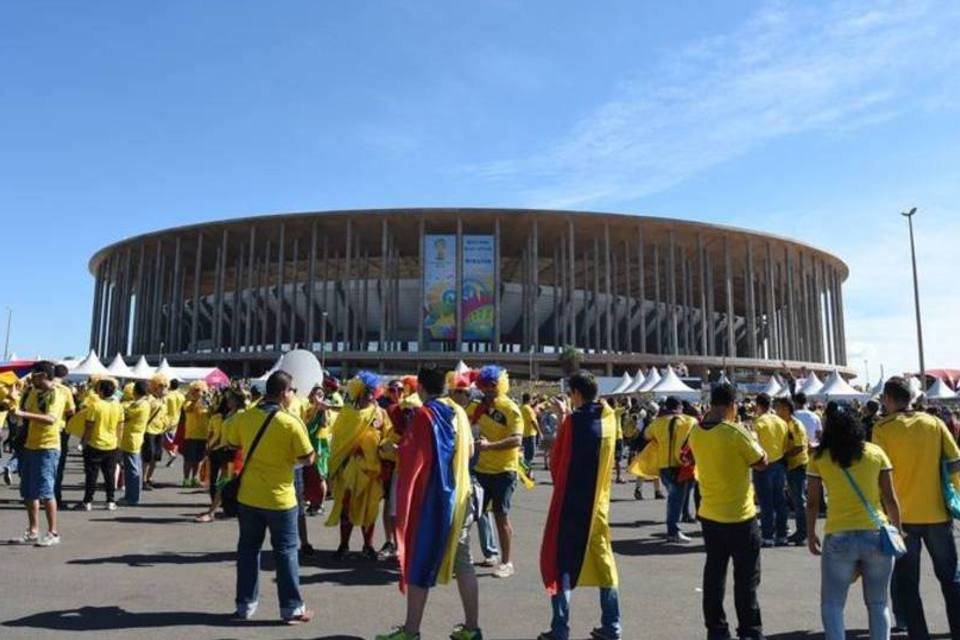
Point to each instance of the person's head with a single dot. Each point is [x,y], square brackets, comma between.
[106,388]
[871,409]
[672,405]
[896,395]
[459,389]
[395,390]
[42,375]
[723,400]
[60,371]
[139,389]
[331,384]
[583,388]
[488,382]
[784,408]
[316,394]
[158,385]
[231,401]
[363,389]
[174,384]
[763,403]
[279,388]
[843,435]
[800,400]
[525,398]
[431,381]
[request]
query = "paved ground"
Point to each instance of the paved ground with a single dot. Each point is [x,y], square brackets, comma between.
[119,574]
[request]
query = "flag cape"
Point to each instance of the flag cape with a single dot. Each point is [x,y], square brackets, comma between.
[433,485]
[576,539]
[645,464]
[355,466]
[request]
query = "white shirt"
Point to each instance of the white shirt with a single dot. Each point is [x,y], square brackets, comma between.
[811,424]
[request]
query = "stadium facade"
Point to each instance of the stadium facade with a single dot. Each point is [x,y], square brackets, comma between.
[387,288]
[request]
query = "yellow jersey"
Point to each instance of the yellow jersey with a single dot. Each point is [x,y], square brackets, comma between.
[497,420]
[724,453]
[846,512]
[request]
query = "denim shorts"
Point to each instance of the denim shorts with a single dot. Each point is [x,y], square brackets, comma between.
[38,473]
[498,490]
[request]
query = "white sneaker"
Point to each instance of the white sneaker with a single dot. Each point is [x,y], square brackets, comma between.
[679,538]
[82,506]
[504,571]
[490,563]
[111,506]
[28,537]
[48,540]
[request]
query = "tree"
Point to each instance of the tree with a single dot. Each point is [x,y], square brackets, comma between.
[570,358]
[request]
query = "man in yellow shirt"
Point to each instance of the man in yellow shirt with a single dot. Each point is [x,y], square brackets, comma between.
[917,444]
[670,431]
[101,441]
[152,451]
[796,456]
[175,399]
[136,416]
[500,426]
[771,483]
[196,414]
[531,432]
[42,407]
[267,498]
[725,453]
[70,407]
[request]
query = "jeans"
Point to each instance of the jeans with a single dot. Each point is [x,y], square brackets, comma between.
[488,540]
[97,461]
[609,610]
[771,486]
[741,542]
[676,498]
[132,477]
[797,481]
[61,466]
[285,541]
[843,554]
[939,541]
[529,449]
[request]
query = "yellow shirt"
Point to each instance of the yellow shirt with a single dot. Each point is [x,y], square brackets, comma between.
[659,431]
[797,437]
[174,404]
[106,416]
[215,438]
[268,474]
[846,512]
[724,453]
[629,426]
[502,419]
[195,423]
[530,423]
[618,414]
[772,434]
[916,444]
[158,421]
[40,435]
[69,405]
[135,418]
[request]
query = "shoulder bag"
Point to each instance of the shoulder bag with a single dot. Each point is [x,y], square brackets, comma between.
[229,493]
[685,472]
[891,542]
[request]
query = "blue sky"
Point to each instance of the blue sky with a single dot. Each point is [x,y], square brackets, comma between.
[815,120]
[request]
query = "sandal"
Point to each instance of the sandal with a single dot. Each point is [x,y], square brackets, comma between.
[204,518]
[301,618]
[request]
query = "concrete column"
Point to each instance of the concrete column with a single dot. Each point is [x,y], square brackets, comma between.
[673,337]
[840,319]
[658,307]
[556,293]
[535,285]
[564,304]
[497,326]
[772,338]
[278,308]
[597,344]
[197,272]
[459,334]
[95,315]
[157,300]
[221,281]
[628,298]
[751,304]
[249,293]
[573,283]
[642,291]
[384,248]
[265,303]
[614,296]
[609,290]
[731,350]
[420,296]
[712,348]
[138,314]
[702,275]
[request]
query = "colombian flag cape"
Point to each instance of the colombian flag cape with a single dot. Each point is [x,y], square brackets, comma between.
[355,465]
[433,491]
[576,540]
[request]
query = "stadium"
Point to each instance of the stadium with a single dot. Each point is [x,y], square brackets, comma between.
[388,288]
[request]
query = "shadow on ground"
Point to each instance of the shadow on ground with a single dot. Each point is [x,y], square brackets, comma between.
[654,547]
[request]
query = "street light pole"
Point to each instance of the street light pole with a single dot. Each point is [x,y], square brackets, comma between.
[916,296]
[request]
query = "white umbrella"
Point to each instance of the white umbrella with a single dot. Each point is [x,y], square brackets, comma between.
[89,366]
[671,385]
[141,370]
[119,368]
[653,377]
[637,382]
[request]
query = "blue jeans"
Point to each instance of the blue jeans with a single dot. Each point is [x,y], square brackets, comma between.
[939,541]
[797,481]
[609,610]
[132,477]
[843,554]
[529,449]
[488,541]
[38,473]
[676,498]
[285,541]
[771,486]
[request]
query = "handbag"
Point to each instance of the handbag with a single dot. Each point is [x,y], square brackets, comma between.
[891,542]
[230,492]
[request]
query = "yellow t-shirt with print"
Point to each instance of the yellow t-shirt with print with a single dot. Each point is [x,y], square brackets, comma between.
[40,435]
[500,419]
[771,432]
[158,420]
[916,443]
[135,417]
[268,474]
[724,453]
[195,420]
[106,416]
[659,431]
[529,421]
[846,512]
[797,437]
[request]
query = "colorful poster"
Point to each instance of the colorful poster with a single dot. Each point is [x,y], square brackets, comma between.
[478,283]
[440,286]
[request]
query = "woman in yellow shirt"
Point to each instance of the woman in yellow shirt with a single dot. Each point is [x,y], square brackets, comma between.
[220,453]
[852,542]
[196,413]
[101,439]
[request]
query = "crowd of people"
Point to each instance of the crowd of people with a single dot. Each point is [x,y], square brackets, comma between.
[427,456]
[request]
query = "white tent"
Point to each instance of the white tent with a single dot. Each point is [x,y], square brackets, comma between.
[811,386]
[773,388]
[89,366]
[119,368]
[624,384]
[915,387]
[939,391]
[652,378]
[836,388]
[877,391]
[606,385]
[141,370]
[637,382]
[671,385]
[167,370]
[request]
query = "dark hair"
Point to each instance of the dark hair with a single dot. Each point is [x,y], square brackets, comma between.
[43,366]
[525,398]
[106,388]
[432,378]
[174,384]
[278,382]
[898,390]
[60,371]
[843,435]
[139,388]
[786,402]
[585,384]
[223,408]
[763,400]
[672,403]
[723,394]
[800,399]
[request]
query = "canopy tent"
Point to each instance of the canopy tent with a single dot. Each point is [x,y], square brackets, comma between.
[836,388]
[606,385]
[118,368]
[915,387]
[636,383]
[671,385]
[141,370]
[811,386]
[652,378]
[89,366]
[939,391]
[621,388]
[772,388]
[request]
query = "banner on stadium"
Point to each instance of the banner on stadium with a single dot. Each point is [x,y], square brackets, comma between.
[440,286]
[478,283]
